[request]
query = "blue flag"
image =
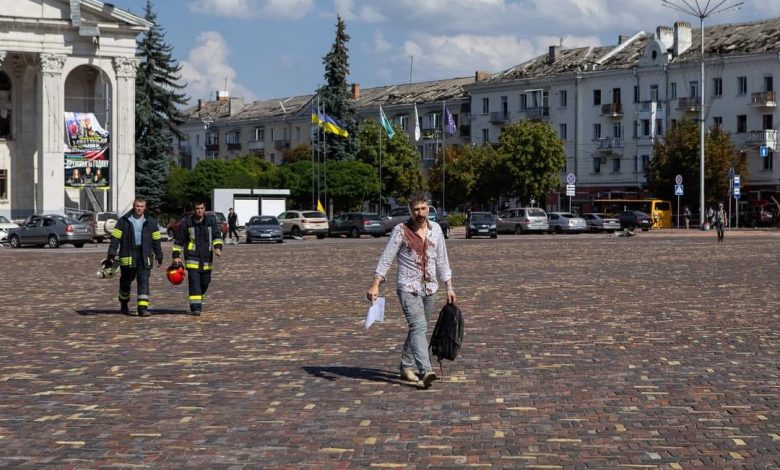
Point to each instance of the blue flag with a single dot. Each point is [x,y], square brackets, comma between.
[449,122]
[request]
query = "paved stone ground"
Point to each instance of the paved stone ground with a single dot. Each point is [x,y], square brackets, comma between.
[657,351]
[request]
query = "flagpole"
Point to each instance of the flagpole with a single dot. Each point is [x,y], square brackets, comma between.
[443,154]
[325,167]
[313,150]
[380,164]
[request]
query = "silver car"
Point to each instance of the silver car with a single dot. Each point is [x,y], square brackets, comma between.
[522,220]
[567,222]
[6,226]
[263,228]
[394,217]
[52,230]
[598,222]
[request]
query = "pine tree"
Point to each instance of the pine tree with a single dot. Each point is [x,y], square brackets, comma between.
[335,97]
[156,115]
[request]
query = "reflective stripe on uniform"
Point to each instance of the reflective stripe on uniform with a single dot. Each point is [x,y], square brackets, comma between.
[116,233]
[196,299]
[143,303]
[217,242]
[125,260]
[207,266]
[156,235]
[176,249]
[192,265]
[124,296]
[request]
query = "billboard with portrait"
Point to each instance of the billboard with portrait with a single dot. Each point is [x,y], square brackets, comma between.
[86,152]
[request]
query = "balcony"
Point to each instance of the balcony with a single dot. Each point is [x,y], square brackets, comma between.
[212,147]
[765,99]
[281,144]
[537,114]
[689,105]
[464,131]
[234,146]
[613,110]
[256,145]
[610,144]
[499,117]
[766,137]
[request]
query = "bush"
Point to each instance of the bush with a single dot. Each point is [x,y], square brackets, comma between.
[456,220]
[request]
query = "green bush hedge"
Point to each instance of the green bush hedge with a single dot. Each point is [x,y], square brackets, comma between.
[456,220]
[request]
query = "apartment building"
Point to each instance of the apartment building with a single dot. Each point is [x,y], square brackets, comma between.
[611,104]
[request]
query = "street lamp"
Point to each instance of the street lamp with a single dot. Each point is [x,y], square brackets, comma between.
[701,9]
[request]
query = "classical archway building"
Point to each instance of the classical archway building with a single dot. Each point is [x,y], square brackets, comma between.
[74,57]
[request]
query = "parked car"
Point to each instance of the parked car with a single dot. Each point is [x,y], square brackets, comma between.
[394,217]
[561,222]
[221,220]
[522,220]
[298,223]
[355,224]
[102,223]
[263,228]
[635,219]
[440,219]
[600,222]
[52,230]
[5,226]
[481,224]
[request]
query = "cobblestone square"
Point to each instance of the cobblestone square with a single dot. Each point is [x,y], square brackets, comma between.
[660,351]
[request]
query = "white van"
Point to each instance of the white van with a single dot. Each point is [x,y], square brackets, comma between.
[522,220]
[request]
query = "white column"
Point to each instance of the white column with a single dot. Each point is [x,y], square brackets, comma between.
[50,194]
[123,134]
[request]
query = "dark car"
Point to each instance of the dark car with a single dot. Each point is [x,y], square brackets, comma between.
[355,224]
[221,220]
[52,230]
[635,219]
[481,224]
[440,219]
[264,228]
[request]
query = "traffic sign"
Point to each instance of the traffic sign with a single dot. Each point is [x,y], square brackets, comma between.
[571,178]
[678,179]
[736,192]
[763,151]
[678,190]
[736,195]
[570,190]
[736,182]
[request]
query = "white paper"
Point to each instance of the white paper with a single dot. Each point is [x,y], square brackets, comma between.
[376,312]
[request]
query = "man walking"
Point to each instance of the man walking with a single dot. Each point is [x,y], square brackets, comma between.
[419,246]
[199,238]
[136,238]
[718,220]
[687,216]
[232,224]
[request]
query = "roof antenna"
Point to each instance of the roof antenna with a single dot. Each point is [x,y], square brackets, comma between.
[561,43]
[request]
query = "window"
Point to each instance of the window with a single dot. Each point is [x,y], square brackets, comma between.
[717,121]
[197,140]
[767,162]
[562,98]
[596,131]
[212,138]
[297,134]
[505,106]
[636,93]
[659,127]
[636,163]
[596,97]
[617,130]
[653,92]
[615,165]
[485,105]
[741,85]
[485,135]
[767,121]
[673,90]
[645,127]
[717,86]
[636,129]
[645,162]
[523,101]
[597,165]
[402,122]
[693,89]
[273,135]
[3,184]
[742,123]
[5,106]
[616,96]
[768,84]
[562,131]
[259,133]
[232,137]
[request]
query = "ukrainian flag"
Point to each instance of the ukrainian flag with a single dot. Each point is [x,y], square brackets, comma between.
[329,124]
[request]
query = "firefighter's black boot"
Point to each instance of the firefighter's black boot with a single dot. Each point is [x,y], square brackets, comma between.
[123,308]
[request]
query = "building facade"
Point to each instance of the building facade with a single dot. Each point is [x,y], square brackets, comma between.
[58,57]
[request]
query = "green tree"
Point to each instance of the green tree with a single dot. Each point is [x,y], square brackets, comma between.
[470,176]
[532,157]
[401,174]
[678,154]
[350,184]
[156,116]
[176,186]
[335,97]
[297,153]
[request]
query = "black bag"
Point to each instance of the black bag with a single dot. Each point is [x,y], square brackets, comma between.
[447,336]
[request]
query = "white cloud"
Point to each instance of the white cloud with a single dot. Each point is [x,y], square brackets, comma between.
[278,9]
[366,13]
[381,45]
[206,69]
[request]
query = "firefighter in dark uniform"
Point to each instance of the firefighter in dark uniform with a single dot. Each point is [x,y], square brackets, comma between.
[199,238]
[136,239]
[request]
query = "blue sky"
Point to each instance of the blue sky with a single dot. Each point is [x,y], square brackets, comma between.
[274,48]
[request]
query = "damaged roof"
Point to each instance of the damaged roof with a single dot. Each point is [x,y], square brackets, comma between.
[422,92]
[272,108]
[735,38]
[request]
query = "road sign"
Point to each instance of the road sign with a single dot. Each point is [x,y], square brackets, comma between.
[736,181]
[737,195]
[736,192]
[678,180]
[571,178]
[763,151]
[678,190]
[570,190]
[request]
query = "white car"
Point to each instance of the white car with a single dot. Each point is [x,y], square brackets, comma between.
[567,222]
[5,226]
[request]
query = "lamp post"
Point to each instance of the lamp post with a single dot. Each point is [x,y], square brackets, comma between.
[701,9]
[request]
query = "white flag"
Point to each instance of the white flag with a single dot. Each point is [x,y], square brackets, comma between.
[416,124]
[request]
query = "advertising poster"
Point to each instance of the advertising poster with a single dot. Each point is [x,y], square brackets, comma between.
[86,152]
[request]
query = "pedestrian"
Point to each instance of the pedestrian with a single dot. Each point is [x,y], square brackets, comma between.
[419,246]
[719,219]
[687,216]
[199,238]
[232,224]
[136,239]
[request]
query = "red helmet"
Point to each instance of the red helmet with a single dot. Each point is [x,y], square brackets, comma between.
[176,274]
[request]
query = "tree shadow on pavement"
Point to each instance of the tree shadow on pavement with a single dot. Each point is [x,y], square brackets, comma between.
[88,312]
[333,373]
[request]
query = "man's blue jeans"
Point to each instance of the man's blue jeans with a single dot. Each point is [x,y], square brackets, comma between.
[417,309]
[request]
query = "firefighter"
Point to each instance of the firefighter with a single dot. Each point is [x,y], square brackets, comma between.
[136,239]
[199,237]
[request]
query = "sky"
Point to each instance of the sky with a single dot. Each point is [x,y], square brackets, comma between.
[266,49]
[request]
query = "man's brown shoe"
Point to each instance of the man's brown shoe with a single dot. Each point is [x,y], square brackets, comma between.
[409,375]
[429,378]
